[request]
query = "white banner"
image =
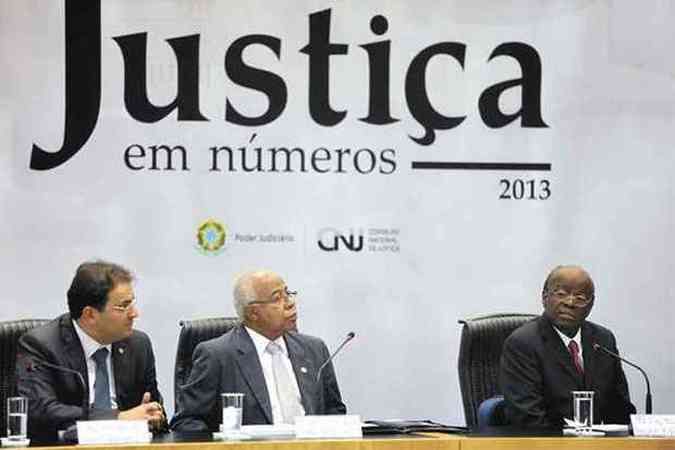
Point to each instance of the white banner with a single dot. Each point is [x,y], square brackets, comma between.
[402,164]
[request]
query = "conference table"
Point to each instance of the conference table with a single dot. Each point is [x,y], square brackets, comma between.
[417,441]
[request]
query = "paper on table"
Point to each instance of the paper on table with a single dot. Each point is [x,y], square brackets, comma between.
[328,426]
[8,443]
[277,431]
[654,425]
[572,424]
[600,427]
[584,432]
[611,427]
[113,432]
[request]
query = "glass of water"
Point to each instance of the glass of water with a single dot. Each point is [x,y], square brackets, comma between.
[582,405]
[17,418]
[233,404]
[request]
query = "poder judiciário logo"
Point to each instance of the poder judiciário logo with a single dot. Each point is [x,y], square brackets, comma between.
[211,237]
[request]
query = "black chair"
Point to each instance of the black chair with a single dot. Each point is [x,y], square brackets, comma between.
[192,333]
[479,351]
[10,332]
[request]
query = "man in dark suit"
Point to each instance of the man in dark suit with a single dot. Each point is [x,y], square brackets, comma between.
[276,370]
[546,359]
[97,340]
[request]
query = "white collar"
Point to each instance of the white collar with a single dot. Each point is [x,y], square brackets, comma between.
[89,344]
[261,342]
[566,339]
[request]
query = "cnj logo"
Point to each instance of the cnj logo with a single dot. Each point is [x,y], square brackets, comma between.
[211,237]
[331,239]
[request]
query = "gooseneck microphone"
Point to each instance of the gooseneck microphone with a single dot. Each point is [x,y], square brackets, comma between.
[648,400]
[32,367]
[349,337]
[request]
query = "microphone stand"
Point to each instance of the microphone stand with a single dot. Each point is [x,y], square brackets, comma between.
[648,399]
[349,337]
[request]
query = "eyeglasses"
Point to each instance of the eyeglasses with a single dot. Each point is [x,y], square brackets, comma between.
[577,299]
[289,297]
[126,308]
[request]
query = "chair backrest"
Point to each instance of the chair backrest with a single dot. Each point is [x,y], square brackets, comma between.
[10,332]
[479,352]
[193,332]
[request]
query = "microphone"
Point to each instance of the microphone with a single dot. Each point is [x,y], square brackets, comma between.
[31,367]
[349,337]
[648,399]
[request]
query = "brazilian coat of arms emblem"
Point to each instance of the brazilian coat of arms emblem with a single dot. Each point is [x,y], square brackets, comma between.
[211,237]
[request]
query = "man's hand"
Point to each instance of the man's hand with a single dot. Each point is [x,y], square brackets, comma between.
[147,410]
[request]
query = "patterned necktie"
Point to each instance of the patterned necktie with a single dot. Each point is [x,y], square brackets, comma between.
[288,399]
[101,382]
[574,351]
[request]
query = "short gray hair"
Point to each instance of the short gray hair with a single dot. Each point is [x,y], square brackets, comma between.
[244,292]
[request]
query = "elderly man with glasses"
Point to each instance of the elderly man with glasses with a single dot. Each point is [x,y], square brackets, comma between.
[276,369]
[98,350]
[546,359]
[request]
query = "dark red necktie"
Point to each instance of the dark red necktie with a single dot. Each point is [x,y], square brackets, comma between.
[574,351]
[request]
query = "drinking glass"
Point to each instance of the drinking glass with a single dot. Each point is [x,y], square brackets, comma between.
[17,418]
[582,405]
[233,404]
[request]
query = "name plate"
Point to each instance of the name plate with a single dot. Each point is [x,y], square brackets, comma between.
[335,426]
[653,425]
[113,432]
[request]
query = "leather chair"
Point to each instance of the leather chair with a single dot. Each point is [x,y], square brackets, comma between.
[10,332]
[192,333]
[480,349]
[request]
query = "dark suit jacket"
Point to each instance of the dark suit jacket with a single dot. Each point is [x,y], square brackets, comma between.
[537,376]
[55,398]
[230,363]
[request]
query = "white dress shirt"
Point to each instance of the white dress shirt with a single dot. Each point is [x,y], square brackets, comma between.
[577,338]
[265,357]
[89,346]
